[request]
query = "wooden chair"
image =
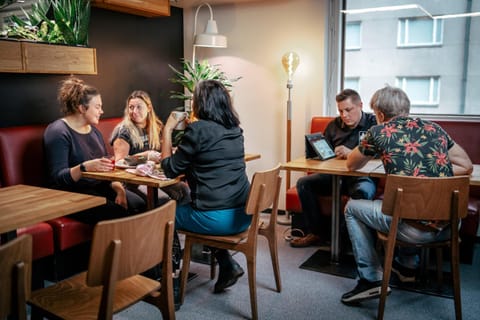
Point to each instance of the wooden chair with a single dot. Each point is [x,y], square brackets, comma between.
[418,198]
[264,193]
[15,277]
[121,250]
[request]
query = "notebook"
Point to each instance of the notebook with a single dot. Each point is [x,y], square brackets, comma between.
[317,147]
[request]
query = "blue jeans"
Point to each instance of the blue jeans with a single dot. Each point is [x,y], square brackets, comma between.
[364,218]
[212,222]
[310,187]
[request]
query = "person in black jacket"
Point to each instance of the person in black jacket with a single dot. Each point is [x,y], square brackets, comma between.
[211,156]
[343,133]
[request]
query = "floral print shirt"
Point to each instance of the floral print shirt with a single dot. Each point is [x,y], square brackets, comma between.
[410,146]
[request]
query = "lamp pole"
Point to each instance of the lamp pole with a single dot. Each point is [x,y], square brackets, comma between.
[289,129]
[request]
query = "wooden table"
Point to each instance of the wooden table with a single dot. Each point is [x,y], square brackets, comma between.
[337,168]
[152,184]
[23,205]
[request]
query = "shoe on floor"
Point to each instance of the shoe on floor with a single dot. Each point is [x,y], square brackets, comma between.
[228,278]
[307,241]
[404,274]
[363,291]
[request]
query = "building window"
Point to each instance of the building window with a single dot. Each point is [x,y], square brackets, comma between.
[422,91]
[352,83]
[353,36]
[419,32]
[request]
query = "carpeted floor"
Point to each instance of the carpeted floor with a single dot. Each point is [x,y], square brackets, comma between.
[307,294]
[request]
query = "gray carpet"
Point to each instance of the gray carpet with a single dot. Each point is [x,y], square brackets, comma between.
[307,294]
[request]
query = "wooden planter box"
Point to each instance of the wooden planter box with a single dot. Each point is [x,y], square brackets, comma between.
[31,57]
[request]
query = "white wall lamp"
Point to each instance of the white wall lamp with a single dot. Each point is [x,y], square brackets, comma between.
[210,38]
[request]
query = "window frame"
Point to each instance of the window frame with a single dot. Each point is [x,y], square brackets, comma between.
[404,43]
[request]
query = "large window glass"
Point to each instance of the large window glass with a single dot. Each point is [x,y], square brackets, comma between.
[435,58]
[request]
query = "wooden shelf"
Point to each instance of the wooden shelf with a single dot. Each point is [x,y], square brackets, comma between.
[146,8]
[31,57]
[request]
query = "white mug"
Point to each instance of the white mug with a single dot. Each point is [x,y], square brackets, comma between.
[181,116]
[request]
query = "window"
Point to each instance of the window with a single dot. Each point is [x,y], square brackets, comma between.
[419,32]
[422,91]
[435,60]
[353,36]
[352,83]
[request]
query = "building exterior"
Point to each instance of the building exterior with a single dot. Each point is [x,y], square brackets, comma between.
[413,45]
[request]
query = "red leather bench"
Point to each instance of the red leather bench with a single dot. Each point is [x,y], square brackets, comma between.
[22,162]
[466,134]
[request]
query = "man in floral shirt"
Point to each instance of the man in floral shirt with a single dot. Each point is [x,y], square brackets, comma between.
[407,146]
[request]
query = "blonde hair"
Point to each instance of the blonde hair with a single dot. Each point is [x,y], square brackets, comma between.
[154,125]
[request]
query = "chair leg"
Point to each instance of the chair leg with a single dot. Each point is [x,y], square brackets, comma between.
[187,252]
[213,265]
[272,243]
[455,262]
[439,256]
[252,283]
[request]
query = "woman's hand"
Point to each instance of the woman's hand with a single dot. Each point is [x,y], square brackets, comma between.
[101,164]
[172,122]
[121,198]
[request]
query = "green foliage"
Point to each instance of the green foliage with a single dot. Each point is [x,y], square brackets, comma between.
[189,76]
[73,19]
[70,24]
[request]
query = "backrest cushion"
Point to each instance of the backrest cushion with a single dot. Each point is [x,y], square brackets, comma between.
[106,128]
[319,124]
[21,155]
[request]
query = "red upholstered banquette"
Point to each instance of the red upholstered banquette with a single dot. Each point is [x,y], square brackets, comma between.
[22,162]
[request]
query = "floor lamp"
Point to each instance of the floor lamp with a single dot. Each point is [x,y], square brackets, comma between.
[290,61]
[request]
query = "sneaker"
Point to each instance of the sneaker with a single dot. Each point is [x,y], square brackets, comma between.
[307,241]
[363,291]
[404,274]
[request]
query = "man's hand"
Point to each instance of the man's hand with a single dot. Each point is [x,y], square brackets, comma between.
[342,152]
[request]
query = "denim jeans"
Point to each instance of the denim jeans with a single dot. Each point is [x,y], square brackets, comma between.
[310,187]
[364,218]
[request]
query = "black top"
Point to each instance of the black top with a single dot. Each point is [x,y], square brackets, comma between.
[66,148]
[338,133]
[212,158]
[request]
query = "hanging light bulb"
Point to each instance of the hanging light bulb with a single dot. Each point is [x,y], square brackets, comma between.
[290,61]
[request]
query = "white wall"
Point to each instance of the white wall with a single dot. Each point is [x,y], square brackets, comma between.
[259,33]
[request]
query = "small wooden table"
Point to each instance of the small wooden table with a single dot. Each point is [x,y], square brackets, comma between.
[152,184]
[23,205]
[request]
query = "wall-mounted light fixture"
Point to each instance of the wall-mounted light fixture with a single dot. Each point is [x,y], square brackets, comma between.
[210,38]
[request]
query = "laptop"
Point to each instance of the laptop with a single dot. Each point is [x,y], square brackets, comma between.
[317,147]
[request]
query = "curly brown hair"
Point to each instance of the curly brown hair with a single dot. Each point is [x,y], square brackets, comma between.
[74,92]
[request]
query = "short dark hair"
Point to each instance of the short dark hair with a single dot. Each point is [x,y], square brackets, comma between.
[211,101]
[348,94]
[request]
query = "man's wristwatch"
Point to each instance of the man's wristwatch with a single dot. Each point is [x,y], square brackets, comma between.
[82,167]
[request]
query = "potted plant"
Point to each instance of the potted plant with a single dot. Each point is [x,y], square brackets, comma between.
[69,26]
[190,75]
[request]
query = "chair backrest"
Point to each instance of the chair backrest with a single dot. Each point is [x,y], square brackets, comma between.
[426,198]
[263,190]
[144,241]
[15,276]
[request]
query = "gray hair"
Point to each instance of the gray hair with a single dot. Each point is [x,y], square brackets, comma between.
[391,102]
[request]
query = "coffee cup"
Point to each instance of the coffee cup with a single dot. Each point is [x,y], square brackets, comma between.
[182,119]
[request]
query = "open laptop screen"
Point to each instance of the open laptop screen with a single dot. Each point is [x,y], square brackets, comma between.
[317,147]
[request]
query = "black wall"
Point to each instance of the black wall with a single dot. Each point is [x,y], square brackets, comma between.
[133,52]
